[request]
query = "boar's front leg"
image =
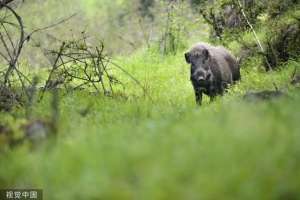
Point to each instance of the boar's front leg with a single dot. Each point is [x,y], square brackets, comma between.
[212,98]
[198,96]
[212,93]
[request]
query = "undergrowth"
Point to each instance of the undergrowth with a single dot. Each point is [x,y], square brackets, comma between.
[159,144]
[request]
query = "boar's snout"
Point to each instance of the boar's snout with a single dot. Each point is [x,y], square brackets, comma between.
[200,77]
[197,78]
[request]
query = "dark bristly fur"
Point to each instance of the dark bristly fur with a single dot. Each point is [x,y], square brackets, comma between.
[212,70]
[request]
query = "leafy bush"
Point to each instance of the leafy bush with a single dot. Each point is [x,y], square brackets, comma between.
[284,44]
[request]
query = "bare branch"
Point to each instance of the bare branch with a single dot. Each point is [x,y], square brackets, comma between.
[52,25]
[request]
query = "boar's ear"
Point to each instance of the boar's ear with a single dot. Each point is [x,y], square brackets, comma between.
[206,54]
[187,57]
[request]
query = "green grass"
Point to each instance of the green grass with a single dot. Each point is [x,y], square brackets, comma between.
[163,146]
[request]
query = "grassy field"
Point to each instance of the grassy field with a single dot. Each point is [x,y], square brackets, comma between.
[161,145]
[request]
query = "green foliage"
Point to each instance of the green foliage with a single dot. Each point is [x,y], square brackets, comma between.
[278,33]
[174,37]
[225,16]
[154,142]
[162,145]
[145,8]
[284,44]
[279,7]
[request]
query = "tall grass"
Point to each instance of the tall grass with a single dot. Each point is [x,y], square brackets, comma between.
[151,141]
[165,147]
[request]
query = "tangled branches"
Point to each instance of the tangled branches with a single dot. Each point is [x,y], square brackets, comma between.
[78,65]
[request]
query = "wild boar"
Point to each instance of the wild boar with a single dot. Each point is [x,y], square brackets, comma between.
[212,70]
